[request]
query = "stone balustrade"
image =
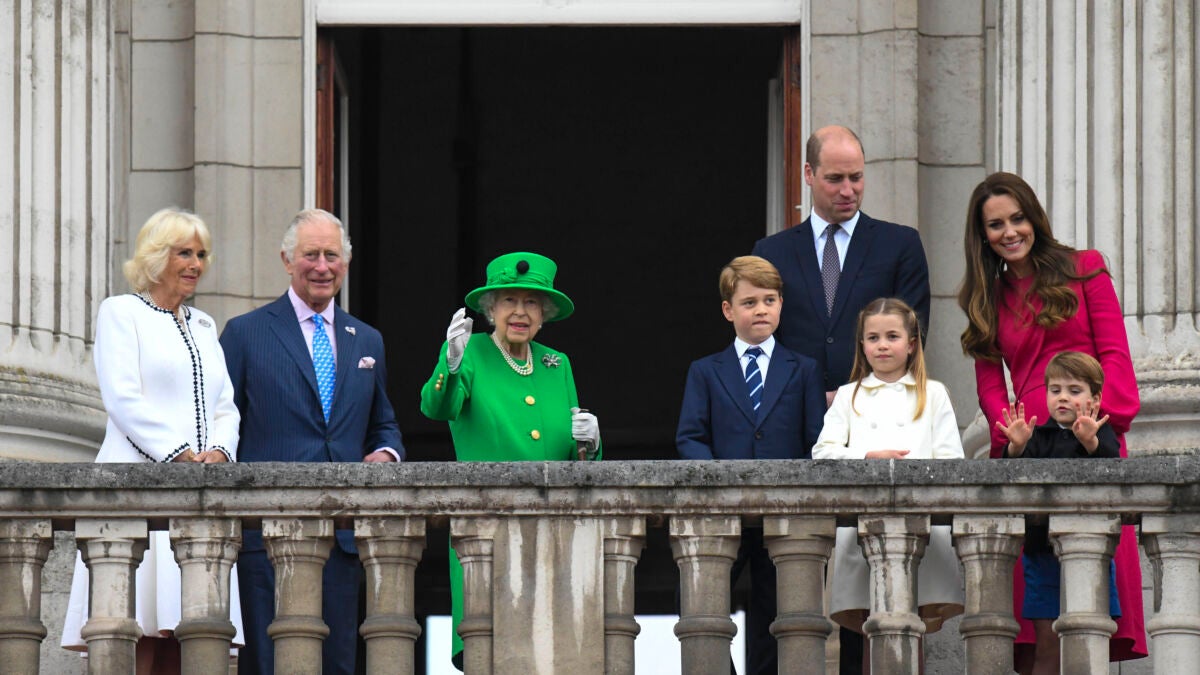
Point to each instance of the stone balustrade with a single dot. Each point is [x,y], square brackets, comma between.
[549,549]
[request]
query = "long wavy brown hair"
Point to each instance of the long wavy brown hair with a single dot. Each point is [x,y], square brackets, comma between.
[915,361]
[1053,268]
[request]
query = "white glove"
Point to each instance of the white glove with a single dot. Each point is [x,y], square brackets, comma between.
[585,428]
[457,335]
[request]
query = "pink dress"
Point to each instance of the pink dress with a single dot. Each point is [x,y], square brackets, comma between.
[1098,328]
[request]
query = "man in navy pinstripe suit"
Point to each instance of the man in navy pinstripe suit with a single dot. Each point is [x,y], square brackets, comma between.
[269,352]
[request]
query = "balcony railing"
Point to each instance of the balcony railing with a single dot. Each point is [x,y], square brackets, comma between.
[549,549]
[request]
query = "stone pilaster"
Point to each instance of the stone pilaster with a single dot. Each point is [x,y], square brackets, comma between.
[298,549]
[390,549]
[1096,108]
[54,60]
[988,547]
[893,546]
[473,540]
[1173,545]
[1084,545]
[24,547]
[800,548]
[205,549]
[624,539]
[112,550]
[705,548]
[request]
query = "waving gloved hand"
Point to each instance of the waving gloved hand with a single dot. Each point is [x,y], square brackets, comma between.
[457,335]
[585,429]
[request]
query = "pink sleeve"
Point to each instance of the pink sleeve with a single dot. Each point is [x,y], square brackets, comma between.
[1120,396]
[993,399]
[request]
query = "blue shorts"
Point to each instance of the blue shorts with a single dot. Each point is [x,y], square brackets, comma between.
[1043,588]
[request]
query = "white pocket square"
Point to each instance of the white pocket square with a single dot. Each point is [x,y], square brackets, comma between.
[366,362]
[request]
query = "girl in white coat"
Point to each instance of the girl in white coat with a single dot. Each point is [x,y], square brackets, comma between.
[891,410]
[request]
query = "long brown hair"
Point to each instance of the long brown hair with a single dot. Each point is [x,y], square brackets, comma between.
[1053,268]
[916,360]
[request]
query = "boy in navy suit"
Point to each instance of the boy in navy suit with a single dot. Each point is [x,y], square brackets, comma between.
[753,400]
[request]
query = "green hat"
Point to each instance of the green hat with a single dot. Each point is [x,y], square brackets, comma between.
[523,270]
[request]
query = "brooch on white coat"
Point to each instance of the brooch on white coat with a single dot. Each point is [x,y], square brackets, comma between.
[204,322]
[366,362]
[350,330]
[551,360]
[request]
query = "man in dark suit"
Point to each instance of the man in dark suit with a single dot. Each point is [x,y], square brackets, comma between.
[834,263]
[310,382]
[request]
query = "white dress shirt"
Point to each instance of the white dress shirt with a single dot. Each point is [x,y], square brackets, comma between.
[841,240]
[764,360]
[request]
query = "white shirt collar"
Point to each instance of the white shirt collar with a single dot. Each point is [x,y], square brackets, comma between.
[740,346]
[872,382]
[819,224]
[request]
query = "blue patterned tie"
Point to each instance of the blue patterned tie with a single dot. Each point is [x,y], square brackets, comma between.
[754,380]
[323,364]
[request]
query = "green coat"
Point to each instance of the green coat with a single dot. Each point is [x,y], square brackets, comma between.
[498,415]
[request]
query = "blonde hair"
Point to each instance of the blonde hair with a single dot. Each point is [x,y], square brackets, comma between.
[753,270]
[166,229]
[1077,366]
[916,360]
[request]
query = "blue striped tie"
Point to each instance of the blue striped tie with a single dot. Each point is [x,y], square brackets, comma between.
[754,380]
[323,364]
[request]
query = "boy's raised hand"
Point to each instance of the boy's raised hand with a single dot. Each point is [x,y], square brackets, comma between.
[1086,426]
[1016,429]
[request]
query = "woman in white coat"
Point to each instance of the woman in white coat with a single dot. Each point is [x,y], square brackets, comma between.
[168,397]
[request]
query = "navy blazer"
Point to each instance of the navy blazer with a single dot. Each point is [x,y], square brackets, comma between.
[275,388]
[717,421]
[885,260]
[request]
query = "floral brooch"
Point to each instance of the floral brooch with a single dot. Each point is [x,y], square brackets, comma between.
[551,360]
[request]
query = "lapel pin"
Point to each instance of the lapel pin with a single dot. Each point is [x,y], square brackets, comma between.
[350,330]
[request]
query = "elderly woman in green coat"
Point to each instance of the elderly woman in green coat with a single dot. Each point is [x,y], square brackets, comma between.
[506,397]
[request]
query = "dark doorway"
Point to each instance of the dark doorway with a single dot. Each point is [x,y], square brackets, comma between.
[634,157]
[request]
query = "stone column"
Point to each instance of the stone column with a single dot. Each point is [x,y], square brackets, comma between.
[54,131]
[988,547]
[390,549]
[893,546]
[1172,543]
[205,549]
[298,549]
[624,539]
[24,547]
[800,548]
[1084,545]
[474,542]
[705,548]
[112,550]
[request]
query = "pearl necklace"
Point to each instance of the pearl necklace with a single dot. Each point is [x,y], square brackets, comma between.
[525,370]
[177,313]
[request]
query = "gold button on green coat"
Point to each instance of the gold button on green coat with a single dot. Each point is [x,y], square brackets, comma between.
[529,400]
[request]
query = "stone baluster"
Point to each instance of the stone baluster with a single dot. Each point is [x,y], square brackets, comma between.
[705,548]
[624,539]
[205,549]
[893,546]
[800,548]
[988,547]
[390,549]
[474,542]
[112,550]
[24,547]
[1084,545]
[298,549]
[1173,545]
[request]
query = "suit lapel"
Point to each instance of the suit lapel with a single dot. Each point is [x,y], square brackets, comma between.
[347,350]
[860,244]
[729,372]
[810,271]
[783,366]
[287,329]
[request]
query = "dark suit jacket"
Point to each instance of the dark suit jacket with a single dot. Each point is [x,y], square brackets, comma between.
[718,422]
[884,260]
[275,388]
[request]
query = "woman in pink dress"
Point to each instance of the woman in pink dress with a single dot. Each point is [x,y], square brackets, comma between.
[1028,297]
